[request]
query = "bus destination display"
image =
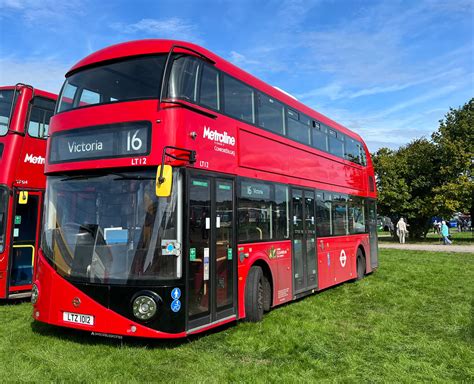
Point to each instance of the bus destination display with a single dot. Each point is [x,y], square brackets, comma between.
[115,140]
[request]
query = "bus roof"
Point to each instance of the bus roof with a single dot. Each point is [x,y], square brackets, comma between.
[37,92]
[153,46]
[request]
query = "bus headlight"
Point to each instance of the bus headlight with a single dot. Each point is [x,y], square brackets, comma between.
[144,307]
[34,294]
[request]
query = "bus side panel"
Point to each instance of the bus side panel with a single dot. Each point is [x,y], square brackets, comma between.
[215,141]
[277,256]
[325,264]
[30,167]
[337,259]
[298,161]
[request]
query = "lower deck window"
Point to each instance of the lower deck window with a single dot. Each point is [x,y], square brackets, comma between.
[262,211]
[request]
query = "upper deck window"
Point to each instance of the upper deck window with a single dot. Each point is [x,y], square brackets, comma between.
[129,79]
[320,136]
[299,127]
[270,114]
[352,151]
[336,143]
[209,91]
[363,157]
[184,78]
[6,101]
[238,100]
[41,112]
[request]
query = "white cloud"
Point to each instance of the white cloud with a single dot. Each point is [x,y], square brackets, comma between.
[336,91]
[241,60]
[174,27]
[15,4]
[47,74]
[42,12]
[433,94]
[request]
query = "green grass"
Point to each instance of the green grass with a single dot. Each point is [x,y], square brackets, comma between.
[410,321]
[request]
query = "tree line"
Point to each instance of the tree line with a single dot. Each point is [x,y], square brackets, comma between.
[429,177]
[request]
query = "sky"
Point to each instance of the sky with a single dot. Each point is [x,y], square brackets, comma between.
[388,69]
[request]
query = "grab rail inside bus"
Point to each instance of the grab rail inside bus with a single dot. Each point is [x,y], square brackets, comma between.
[167,70]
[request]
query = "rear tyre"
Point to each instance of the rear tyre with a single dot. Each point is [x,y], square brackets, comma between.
[267,294]
[360,264]
[254,288]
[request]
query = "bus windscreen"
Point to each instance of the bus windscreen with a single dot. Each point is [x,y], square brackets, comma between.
[132,79]
[109,228]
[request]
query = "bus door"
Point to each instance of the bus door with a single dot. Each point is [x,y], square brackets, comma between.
[304,240]
[372,224]
[211,262]
[26,220]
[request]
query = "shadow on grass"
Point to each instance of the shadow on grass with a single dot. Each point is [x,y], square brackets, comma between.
[86,337]
[469,330]
[14,301]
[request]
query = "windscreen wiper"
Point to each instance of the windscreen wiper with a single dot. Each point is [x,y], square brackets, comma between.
[80,177]
[121,176]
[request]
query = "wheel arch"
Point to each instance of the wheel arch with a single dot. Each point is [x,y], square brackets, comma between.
[360,247]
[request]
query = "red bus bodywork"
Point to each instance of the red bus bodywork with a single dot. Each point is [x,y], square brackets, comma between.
[22,159]
[227,151]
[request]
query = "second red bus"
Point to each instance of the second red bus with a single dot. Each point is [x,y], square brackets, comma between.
[24,119]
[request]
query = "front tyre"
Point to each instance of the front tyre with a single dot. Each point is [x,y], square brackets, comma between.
[254,297]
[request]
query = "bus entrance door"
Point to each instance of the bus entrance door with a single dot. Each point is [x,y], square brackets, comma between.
[210,250]
[372,221]
[304,240]
[26,219]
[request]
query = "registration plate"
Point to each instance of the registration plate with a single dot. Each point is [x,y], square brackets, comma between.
[78,318]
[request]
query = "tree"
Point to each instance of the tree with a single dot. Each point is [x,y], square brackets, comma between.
[430,178]
[405,181]
[455,143]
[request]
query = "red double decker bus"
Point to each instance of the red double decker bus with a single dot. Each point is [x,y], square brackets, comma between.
[183,193]
[24,121]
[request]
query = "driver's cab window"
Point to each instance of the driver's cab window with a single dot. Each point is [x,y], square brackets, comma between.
[40,114]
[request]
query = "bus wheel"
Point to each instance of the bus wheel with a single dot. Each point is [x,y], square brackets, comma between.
[267,294]
[360,264]
[254,295]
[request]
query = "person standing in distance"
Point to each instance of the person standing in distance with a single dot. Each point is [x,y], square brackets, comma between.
[445,233]
[401,230]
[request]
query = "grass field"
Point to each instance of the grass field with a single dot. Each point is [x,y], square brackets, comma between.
[412,320]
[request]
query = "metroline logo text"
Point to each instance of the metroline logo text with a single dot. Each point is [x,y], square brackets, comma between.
[223,138]
[34,159]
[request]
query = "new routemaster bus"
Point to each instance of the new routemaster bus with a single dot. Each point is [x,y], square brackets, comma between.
[183,193]
[24,120]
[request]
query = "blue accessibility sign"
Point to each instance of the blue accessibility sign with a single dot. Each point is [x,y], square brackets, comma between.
[176,305]
[176,293]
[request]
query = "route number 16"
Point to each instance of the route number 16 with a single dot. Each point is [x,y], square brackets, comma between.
[133,142]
